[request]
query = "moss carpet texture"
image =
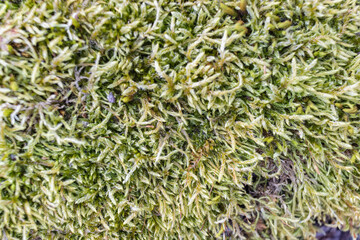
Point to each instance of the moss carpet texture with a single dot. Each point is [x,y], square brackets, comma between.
[179,119]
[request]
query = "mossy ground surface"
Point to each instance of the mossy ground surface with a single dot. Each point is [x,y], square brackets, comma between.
[179,119]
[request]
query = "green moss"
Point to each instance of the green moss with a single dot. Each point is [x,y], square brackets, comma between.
[179,119]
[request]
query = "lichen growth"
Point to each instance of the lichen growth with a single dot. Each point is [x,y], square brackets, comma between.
[179,119]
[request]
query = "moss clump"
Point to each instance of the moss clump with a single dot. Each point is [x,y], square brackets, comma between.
[179,119]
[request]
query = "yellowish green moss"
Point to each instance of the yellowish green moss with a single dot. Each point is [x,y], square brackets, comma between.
[179,119]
